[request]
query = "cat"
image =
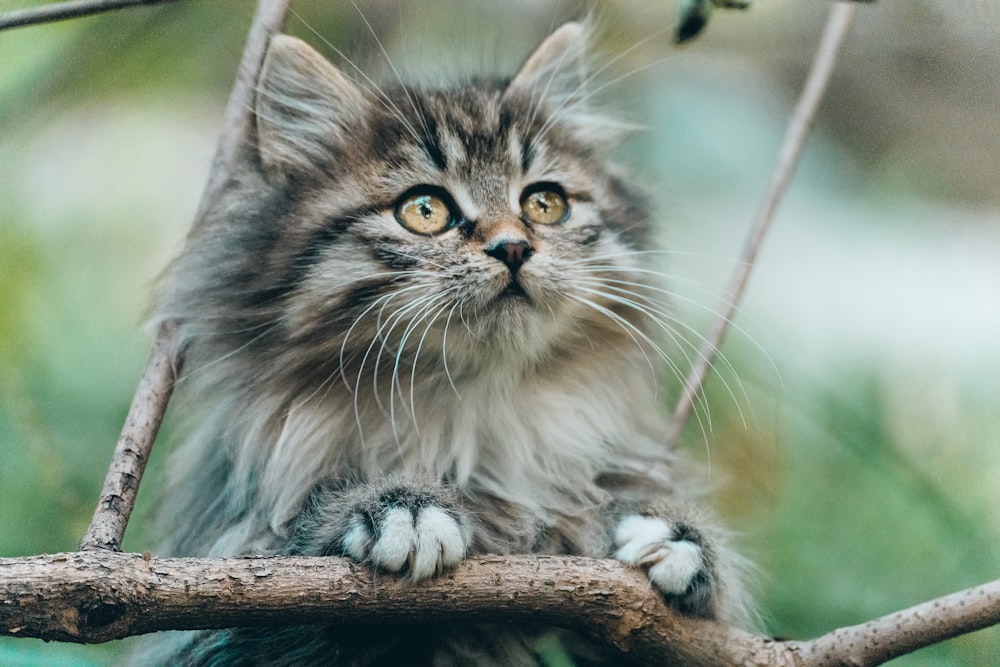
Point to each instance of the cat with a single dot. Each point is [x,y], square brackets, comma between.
[417,326]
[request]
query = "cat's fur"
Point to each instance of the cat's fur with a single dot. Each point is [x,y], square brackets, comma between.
[407,400]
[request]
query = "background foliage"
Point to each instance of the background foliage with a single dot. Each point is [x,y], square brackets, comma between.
[854,438]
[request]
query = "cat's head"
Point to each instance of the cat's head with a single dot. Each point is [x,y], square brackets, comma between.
[485,219]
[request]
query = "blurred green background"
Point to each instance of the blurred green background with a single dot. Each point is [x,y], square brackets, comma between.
[854,433]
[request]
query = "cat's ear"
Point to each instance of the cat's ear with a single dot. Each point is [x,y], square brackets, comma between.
[304,107]
[556,75]
[556,68]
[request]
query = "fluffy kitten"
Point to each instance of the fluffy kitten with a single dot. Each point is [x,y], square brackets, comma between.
[417,327]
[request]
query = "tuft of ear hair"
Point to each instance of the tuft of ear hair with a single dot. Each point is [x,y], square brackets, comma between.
[556,75]
[556,68]
[304,107]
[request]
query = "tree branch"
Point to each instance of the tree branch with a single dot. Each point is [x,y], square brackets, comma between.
[99,596]
[121,484]
[238,117]
[905,631]
[837,25]
[67,10]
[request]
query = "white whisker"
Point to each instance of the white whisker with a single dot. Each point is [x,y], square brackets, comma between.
[416,357]
[380,95]
[661,319]
[444,350]
[392,66]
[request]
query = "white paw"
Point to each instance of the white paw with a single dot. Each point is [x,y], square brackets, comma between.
[645,541]
[422,541]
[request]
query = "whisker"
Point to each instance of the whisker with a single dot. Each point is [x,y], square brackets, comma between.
[187,377]
[670,363]
[416,357]
[377,337]
[392,66]
[683,344]
[630,329]
[372,87]
[677,297]
[444,350]
[427,304]
[382,337]
[347,336]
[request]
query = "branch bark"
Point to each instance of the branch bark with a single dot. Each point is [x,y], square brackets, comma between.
[99,596]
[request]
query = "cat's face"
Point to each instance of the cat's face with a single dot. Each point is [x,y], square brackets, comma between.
[483,219]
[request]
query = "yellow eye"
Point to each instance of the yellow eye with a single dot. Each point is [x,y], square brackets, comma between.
[425,212]
[544,205]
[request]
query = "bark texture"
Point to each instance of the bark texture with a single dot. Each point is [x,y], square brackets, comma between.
[99,595]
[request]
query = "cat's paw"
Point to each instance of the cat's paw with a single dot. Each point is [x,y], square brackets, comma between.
[674,555]
[406,532]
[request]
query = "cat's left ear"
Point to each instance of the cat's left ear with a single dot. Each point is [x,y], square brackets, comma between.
[555,76]
[305,108]
[556,69]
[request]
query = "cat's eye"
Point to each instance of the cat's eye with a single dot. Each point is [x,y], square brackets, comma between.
[544,204]
[426,210]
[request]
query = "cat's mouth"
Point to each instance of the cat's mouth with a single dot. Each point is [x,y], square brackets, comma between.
[513,291]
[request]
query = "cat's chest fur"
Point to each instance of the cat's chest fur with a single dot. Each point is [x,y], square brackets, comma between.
[535,437]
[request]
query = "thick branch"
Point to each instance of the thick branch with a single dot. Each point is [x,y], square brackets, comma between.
[67,10]
[94,597]
[99,596]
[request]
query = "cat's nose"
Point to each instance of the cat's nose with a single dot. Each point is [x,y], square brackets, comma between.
[513,253]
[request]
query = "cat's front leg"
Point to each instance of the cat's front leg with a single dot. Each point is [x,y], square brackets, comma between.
[680,560]
[414,529]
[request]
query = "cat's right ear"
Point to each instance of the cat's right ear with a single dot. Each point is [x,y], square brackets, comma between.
[304,108]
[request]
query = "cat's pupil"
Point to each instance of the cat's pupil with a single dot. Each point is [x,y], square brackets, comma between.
[425,208]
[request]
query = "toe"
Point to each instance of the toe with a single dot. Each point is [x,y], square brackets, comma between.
[674,573]
[396,542]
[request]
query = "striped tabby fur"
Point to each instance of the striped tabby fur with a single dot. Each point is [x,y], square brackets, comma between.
[408,399]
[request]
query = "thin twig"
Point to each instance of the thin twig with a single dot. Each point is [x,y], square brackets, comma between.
[905,631]
[67,10]
[238,117]
[107,528]
[96,597]
[837,25]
